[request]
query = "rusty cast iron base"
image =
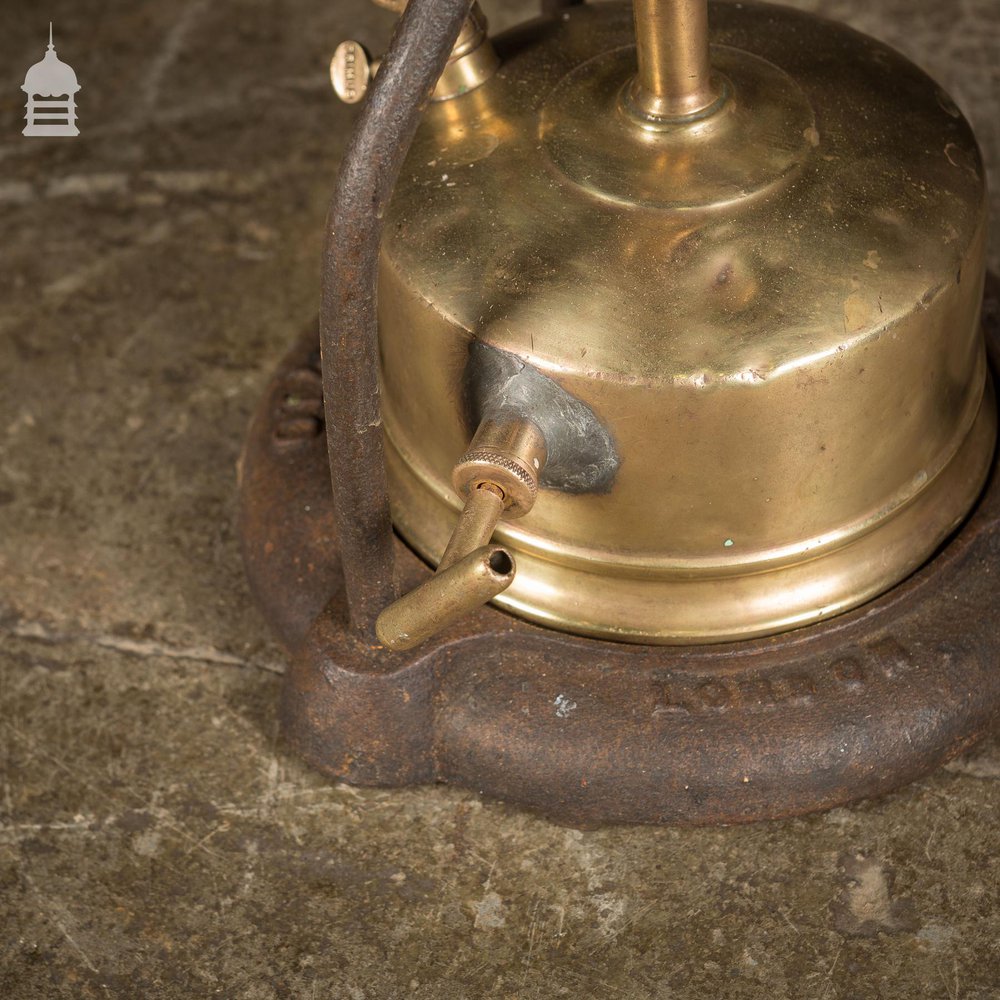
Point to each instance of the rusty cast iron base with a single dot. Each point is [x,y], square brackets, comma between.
[590,732]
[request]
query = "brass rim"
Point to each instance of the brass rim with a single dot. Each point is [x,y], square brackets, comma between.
[688,611]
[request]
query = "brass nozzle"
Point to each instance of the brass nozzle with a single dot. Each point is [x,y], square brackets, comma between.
[510,454]
[451,593]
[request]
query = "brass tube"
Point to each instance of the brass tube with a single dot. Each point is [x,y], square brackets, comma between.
[476,524]
[674,78]
[447,596]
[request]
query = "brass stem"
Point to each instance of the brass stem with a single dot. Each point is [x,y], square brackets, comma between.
[674,78]
[476,524]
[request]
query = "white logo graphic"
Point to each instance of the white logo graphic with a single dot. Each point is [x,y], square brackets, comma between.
[51,78]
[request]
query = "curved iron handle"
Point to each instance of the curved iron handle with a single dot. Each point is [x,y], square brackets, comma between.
[417,54]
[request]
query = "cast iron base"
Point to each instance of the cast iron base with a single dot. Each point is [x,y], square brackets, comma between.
[590,732]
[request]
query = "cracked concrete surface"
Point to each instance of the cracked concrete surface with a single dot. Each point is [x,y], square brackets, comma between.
[155,839]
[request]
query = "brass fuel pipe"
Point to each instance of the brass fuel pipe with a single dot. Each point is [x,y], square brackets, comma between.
[675,76]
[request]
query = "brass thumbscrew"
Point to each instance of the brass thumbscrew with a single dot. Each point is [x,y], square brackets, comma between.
[473,61]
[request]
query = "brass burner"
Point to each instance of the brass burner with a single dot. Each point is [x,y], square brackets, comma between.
[658,329]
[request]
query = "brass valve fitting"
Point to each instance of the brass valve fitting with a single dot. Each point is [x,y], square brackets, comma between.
[509,453]
[473,61]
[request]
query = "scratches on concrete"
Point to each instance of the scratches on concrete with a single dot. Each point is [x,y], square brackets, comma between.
[140,648]
[59,916]
[173,45]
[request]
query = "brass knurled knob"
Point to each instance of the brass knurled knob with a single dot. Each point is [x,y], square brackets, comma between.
[509,454]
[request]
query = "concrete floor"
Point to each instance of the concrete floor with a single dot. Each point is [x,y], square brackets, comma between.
[155,840]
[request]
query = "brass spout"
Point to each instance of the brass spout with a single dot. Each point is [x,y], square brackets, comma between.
[498,475]
[675,76]
[450,594]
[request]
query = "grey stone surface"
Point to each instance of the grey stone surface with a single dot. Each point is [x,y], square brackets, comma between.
[155,839]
